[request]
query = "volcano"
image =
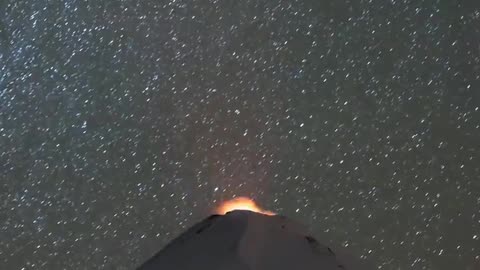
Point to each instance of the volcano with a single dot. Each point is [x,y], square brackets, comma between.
[246,240]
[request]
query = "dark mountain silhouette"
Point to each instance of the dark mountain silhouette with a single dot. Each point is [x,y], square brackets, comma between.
[245,240]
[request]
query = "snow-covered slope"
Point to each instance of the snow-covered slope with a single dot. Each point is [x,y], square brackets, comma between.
[244,240]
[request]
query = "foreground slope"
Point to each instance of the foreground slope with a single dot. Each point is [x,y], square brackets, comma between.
[244,240]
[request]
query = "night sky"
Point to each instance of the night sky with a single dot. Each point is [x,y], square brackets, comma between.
[122,123]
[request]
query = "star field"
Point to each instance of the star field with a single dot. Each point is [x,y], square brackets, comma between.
[124,122]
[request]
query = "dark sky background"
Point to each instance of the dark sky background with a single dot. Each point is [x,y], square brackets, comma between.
[124,122]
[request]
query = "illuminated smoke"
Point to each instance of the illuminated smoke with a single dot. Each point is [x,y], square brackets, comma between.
[241,203]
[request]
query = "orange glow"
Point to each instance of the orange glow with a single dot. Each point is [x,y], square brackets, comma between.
[241,203]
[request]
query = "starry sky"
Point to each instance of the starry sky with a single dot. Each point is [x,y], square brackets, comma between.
[124,122]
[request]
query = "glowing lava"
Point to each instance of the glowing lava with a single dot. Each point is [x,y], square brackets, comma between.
[241,203]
